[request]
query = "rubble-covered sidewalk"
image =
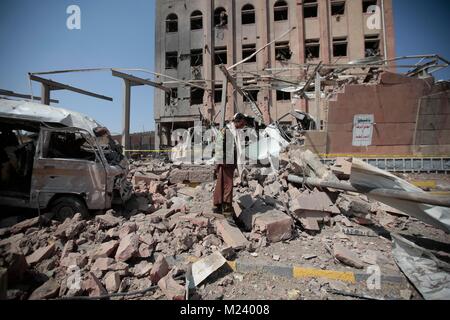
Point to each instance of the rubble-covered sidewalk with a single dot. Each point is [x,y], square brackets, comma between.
[290,241]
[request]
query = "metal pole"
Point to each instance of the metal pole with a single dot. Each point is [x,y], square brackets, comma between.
[45,94]
[126,115]
[224,101]
[387,193]
[384,30]
[318,93]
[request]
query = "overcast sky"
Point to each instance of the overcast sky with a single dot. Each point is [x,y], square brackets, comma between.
[117,33]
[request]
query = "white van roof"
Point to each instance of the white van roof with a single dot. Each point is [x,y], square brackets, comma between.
[31,111]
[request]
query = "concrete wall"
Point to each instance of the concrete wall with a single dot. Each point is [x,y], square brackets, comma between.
[399,123]
[140,141]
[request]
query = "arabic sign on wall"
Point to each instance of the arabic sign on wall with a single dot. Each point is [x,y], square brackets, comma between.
[363,130]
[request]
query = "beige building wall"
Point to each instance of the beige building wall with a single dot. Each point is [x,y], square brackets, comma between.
[325,28]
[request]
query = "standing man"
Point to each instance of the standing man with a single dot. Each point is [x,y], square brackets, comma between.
[226,164]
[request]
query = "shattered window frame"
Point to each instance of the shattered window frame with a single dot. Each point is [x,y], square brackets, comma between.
[281,11]
[220,20]
[196,96]
[375,48]
[173,95]
[248,15]
[196,57]
[283,51]
[45,152]
[312,46]
[172,23]
[171,60]
[218,93]
[338,8]
[247,51]
[253,93]
[196,20]
[340,44]
[220,55]
[310,9]
[367,3]
[283,96]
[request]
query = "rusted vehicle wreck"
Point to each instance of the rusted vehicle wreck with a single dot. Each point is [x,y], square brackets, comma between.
[60,160]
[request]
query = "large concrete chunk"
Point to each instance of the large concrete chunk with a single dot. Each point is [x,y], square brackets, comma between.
[105,250]
[74,259]
[112,281]
[128,248]
[107,221]
[231,235]
[347,257]
[171,289]
[70,229]
[48,290]
[342,168]
[102,264]
[94,286]
[160,269]
[22,226]
[312,204]
[144,178]
[275,225]
[178,176]
[201,176]
[41,254]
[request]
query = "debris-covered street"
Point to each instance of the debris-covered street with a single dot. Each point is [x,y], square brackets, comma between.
[290,242]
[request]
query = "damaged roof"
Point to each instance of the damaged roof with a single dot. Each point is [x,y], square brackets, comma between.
[30,111]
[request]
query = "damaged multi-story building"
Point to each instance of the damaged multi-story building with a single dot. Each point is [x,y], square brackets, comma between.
[194,37]
[333,61]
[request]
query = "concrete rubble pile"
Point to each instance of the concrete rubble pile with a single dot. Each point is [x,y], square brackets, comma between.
[152,241]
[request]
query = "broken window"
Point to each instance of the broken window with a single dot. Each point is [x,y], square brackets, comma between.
[281,11]
[220,55]
[197,96]
[312,49]
[196,58]
[218,93]
[340,47]
[253,93]
[171,60]
[69,145]
[310,9]
[196,20]
[172,23]
[248,14]
[247,51]
[173,95]
[282,51]
[372,46]
[220,17]
[17,152]
[338,8]
[283,96]
[367,4]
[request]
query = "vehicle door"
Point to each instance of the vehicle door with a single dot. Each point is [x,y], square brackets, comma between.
[68,162]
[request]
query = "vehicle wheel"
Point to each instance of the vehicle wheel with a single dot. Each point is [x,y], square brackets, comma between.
[67,207]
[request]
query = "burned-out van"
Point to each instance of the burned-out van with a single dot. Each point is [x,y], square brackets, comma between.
[60,160]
